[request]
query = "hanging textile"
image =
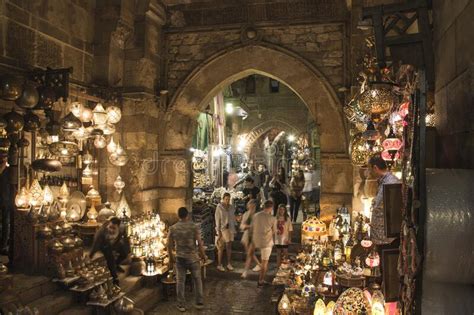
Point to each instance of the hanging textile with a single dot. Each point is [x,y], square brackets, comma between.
[201,136]
[219,119]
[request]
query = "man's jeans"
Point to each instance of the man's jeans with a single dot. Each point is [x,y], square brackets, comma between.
[182,265]
[111,257]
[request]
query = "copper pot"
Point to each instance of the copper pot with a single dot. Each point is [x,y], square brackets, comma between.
[11,87]
[29,97]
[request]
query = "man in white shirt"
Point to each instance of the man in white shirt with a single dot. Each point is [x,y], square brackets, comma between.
[225,229]
[263,229]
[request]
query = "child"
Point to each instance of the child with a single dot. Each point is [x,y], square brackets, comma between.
[283,233]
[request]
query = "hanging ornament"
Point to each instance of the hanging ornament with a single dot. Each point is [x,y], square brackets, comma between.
[70,123]
[377,99]
[112,146]
[123,208]
[99,115]
[64,150]
[391,145]
[100,142]
[87,171]
[119,157]
[14,121]
[22,199]
[87,158]
[114,114]
[48,196]
[108,129]
[360,151]
[119,184]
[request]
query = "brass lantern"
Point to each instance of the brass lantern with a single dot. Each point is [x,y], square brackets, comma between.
[377,99]
[360,151]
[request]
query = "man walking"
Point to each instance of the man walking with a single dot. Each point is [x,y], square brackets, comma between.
[263,229]
[225,228]
[183,237]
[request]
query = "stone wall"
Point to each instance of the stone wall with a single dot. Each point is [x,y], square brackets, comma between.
[322,45]
[454,86]
[40,33]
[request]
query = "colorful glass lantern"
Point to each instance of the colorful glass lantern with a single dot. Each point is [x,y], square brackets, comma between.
[378,303]
[48,196]
[22,199]
[319,307]
[373,259]
[114,114]
[112,146]
[330,308]
[36,194]
[392,144]
[99,115]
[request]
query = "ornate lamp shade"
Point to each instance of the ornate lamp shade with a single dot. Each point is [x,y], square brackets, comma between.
[92,214]
[64,193]
[352,301]
[391,145]
[64,149]
[32,122]
[119,184]
[123,209]
[319,308]
[76,109]
[377,99]
[100,142]
[99,115]
[378,303]
[10,87]
[114,114]
[371,135]
[108,129]
[36,194]
[15,122]
[70,123]
[119,157]
[360,151]
[48,196]
[22,199]
[284,306]
[373,259]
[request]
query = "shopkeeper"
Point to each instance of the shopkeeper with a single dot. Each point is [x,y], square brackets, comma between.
[378,169]
[112,240]
[251,191]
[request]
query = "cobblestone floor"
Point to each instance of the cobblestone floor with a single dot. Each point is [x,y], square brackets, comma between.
[224,294]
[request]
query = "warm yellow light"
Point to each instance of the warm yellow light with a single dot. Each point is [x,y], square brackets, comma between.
[111,147]
[36,194]
[291,138]
[330,308]
[319,308]
[22,199]
[48,197]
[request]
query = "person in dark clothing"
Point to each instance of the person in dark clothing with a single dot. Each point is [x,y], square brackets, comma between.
[251,191]
[6,205]
[114,244]
[264,179]
[278,197]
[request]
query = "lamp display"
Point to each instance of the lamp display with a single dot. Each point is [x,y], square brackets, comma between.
[377,99]
[22,199]
[86,115]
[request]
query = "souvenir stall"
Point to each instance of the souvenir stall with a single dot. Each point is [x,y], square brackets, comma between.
[55,143]
[340,270]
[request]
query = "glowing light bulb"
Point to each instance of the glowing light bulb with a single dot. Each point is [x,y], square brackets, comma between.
[48,197]
[111,147]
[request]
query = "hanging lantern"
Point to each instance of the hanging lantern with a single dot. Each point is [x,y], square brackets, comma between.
[123,209]
[93,195]
[87,171]
[87,158]
[373,259]
[48,196]
[64,149]
[22,199]
[284,306]
[319,308]
[119,184]
[114,114]
[100,142]
[81,133]
[377,99]
[99,115]
[391,146]
[15,122]
[112,146]
[86,115]
[119,157]
[32,122]
[64,193]
[70,123]
[378,302]
[36,194]
[360,151]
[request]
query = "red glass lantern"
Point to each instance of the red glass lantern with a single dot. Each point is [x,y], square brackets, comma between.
[391,145]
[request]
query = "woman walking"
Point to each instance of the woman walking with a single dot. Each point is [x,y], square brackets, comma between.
[245,227]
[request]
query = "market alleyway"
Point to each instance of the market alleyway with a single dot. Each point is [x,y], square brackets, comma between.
[226,293]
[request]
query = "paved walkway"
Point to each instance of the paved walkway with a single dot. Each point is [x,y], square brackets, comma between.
[224,294]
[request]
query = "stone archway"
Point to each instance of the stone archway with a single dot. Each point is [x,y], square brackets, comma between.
[230,65]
